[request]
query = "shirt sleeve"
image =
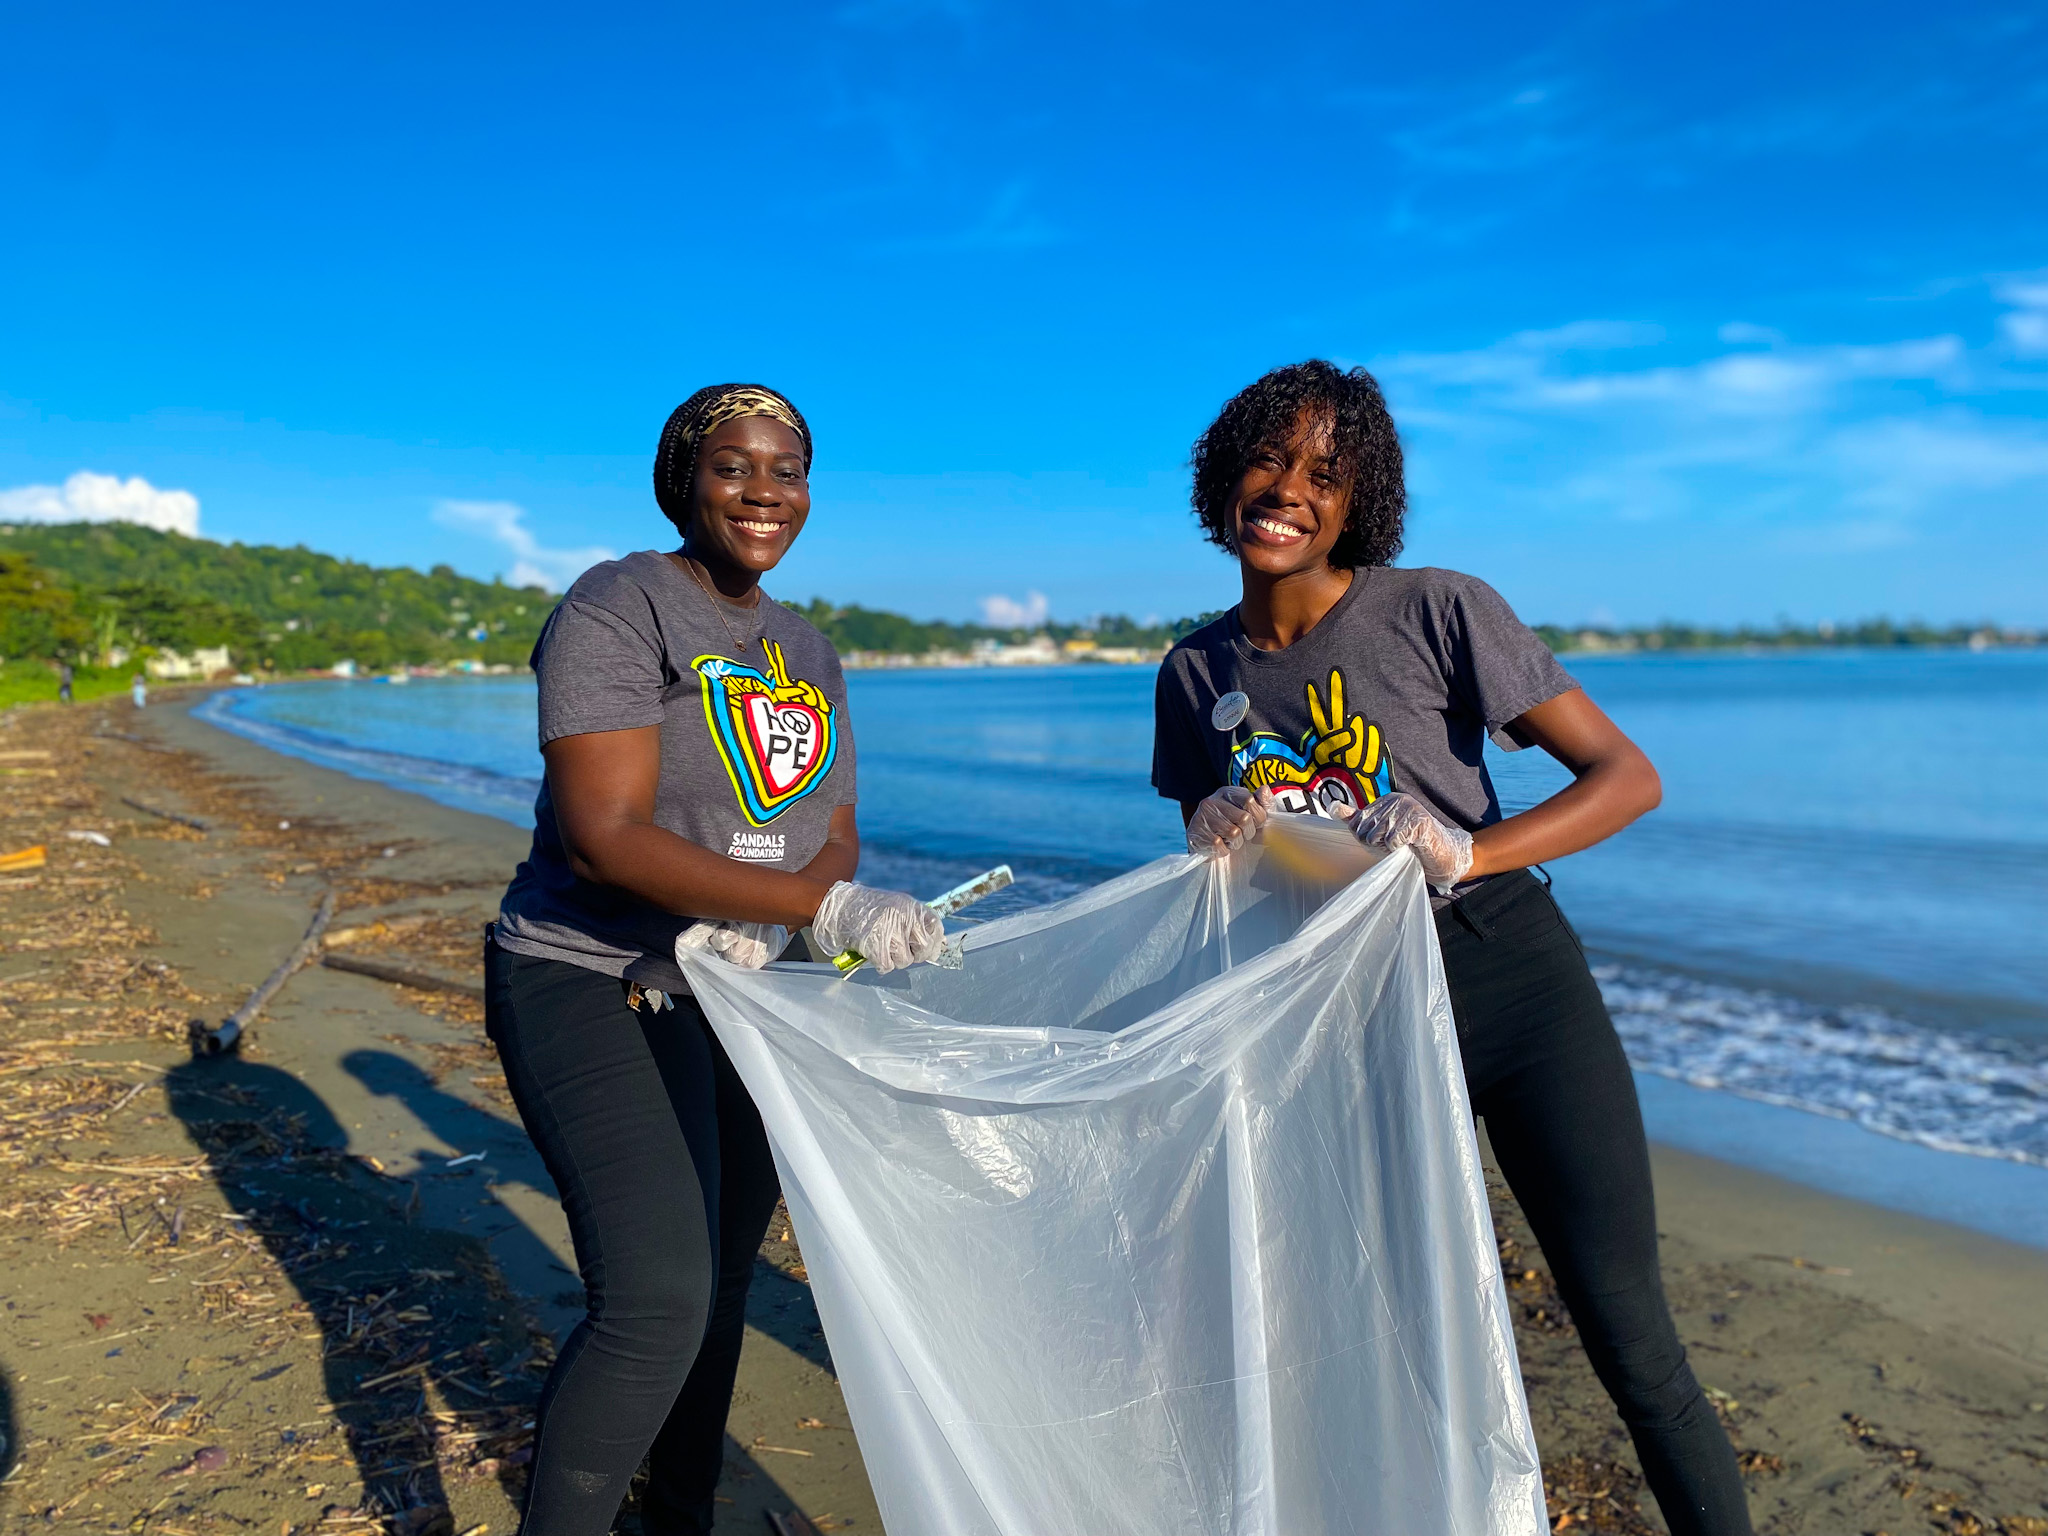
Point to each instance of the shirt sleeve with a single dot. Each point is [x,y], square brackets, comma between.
[598,671]
[1181,769]
[1500,668]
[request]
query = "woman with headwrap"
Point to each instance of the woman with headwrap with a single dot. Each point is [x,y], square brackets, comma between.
[699,793]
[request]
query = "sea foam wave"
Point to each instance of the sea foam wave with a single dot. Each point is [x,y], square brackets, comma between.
[1957,1093]
[504,796]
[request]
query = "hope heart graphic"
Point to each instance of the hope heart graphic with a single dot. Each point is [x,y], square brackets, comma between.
[776,750]
[1331,792]
[785,741]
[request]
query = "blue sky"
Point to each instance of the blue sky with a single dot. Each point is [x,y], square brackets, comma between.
[1707,313]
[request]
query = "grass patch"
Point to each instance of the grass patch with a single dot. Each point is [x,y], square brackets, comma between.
[32,682]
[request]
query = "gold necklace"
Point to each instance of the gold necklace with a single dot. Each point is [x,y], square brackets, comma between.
[718,608]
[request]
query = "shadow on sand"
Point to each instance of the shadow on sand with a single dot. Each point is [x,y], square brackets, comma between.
[777,1305]
[10,1437]
[401,1307]
[406,1278]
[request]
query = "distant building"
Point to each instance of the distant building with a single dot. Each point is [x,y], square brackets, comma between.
[202,663]
[1038,651]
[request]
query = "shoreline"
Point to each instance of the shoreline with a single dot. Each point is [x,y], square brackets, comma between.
[954,661]
[1934,1341]
[2004,1197]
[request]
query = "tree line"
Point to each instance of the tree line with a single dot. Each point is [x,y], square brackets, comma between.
[83,592]
[87,593]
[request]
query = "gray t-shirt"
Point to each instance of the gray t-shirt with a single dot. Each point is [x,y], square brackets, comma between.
[756,752]
[1396,689]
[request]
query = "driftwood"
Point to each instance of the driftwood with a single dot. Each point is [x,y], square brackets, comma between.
[178,816]
[403,976]
[141,741]
[218,1041]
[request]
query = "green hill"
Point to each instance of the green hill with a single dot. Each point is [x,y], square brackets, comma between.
[273,608]
[77,590]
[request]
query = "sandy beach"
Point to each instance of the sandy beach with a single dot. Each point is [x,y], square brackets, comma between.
[314,1287]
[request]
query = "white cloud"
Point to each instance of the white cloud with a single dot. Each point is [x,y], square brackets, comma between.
[90,498]
[504,522]
[1519,361]
[1000,612]
[1801,447]
[1909,458]
[1545,369]
[2026,326]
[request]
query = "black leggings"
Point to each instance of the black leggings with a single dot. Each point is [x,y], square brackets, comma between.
[1546,1072]
[665,1173]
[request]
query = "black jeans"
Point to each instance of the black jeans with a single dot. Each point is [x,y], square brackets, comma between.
[666,1176]
[1546,1072]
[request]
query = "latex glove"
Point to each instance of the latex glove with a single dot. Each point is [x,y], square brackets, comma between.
[890,928]
[1222,822]
[746,945]
[1402,821]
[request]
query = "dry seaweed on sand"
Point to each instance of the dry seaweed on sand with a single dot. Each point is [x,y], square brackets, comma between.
[198,1289]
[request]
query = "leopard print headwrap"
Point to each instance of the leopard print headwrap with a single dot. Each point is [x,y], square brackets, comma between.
[675,460]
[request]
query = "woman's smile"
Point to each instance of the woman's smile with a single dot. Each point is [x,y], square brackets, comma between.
[762,528]
[1271,528]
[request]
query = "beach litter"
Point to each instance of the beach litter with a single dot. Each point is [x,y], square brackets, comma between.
[1798,1262]
[97,839]
[962,896]
[23,859]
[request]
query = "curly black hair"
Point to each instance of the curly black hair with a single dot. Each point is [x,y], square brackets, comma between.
[1367,448]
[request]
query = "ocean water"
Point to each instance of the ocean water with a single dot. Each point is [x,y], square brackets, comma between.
[1840,909]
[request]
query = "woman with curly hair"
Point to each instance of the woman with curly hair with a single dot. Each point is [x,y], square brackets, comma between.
[1342,687]
[698,794]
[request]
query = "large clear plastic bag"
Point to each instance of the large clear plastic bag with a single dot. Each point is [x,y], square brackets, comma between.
[1162,1215]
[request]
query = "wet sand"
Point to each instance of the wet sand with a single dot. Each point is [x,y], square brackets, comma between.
[277,1293]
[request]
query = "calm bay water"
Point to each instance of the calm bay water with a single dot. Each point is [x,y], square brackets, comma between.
[1841,907]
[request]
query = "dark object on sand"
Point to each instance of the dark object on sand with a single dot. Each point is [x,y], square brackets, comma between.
[178,816]
[210,1458]
[403,976]
[208,1041]
[141,741]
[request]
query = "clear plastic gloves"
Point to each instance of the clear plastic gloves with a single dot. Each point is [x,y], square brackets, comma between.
[1226,819]
[890,929]
[746,945]
[1402,821]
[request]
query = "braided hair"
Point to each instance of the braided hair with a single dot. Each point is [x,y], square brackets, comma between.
[675,457]
[1363,444]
